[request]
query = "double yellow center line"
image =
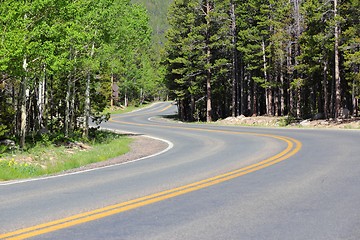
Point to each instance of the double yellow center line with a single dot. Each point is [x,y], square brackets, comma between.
[293,146]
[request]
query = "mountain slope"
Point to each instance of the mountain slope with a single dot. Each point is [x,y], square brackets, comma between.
[157,10]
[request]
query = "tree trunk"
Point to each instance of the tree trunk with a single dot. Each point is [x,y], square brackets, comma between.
[326,94]
[181,109]
[70,101]
[112,91]
[267,90]
[234,60]
[208,94]
[51,102]
[72,104]
[241,88]
[297,18]
[15,107]
[208,62]
[192,107]
[41,100]
[23,105]
[87,106]
[67,108]
[354,99]
[337,67]
[298,101]
[125,100]
[282,94]
[255,100]
[87,98]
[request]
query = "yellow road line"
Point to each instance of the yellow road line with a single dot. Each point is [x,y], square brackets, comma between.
[139,113]
[166,108]
[293,146]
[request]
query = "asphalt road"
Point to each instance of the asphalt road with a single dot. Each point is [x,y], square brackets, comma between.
[215,182]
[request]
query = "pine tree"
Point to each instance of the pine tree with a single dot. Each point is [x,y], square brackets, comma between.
[351,49]
[181,51]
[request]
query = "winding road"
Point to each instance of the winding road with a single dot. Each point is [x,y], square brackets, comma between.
[213,182]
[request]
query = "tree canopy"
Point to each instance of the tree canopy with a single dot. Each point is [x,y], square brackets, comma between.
[62,62]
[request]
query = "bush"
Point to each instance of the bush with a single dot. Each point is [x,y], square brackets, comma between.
[287,120]
[3,131]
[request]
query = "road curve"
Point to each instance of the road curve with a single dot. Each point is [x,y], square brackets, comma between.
[215,183]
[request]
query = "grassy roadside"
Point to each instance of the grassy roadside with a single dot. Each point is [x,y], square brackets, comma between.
[44,158]
[55,154]
[121,110]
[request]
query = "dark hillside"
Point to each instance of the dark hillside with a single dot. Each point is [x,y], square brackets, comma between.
[158,18]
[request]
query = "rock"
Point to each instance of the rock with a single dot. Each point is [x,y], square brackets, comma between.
[230,120]
[324,123]
[339,120]
[7,142]
[305,123]
[82,145]
[241,116]
[319,116]
[78,145]
[344,113]
[43,131]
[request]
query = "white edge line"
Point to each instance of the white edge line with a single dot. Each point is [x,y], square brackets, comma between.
[170,146]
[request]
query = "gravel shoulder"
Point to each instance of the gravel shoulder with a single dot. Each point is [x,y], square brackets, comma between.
[266,121]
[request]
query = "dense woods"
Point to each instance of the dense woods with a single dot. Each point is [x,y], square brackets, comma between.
[298,58]
[62,62]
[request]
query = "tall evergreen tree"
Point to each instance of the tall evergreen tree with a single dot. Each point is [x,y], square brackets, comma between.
[351,49]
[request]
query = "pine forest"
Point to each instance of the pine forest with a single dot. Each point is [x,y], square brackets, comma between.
[296,58]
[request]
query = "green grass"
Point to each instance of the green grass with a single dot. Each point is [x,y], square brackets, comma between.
[50,159]
[98,153]
[10,169]
[119,110]
[350,126]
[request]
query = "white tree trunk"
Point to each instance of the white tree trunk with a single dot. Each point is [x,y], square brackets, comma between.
[41,100]
[87,97]
[267,90]
[112,91]
[23,105]
[208,56]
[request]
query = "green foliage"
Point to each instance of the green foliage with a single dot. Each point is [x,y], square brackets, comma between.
[198,51]
[287,120]
[351,45]
[52,49]
[3,130]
